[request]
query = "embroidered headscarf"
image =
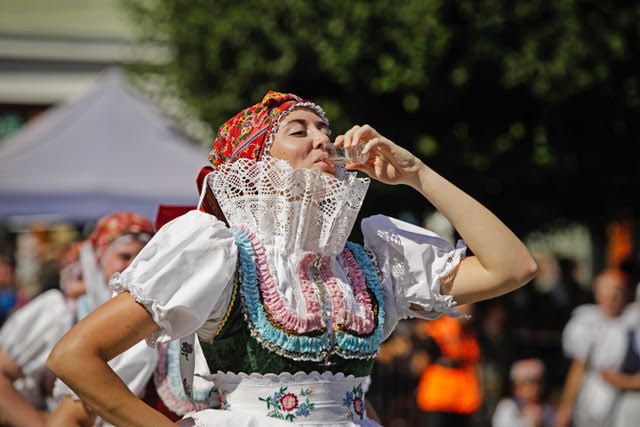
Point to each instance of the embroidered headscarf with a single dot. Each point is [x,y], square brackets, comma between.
[116,225]
[249,133]
[109,232]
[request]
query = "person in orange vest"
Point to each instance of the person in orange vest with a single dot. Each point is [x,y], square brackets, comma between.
[449,389]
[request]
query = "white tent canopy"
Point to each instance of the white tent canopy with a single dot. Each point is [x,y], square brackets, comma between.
[111,150]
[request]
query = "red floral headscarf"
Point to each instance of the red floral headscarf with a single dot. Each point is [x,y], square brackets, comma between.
[248,134]
[114,225]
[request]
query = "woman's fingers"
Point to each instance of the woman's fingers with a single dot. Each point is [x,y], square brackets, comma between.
[348,137]
[363,134]
[356,135]
[377,144]
[379,166]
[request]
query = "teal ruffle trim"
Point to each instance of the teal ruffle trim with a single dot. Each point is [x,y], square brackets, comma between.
[294,346]
[300,347]
[351,346]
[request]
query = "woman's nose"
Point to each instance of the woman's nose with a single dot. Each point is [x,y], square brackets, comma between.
[321,140]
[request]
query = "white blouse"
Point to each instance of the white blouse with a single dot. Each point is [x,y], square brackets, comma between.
[184,275]
[591,336]
[31,332]
[601,342]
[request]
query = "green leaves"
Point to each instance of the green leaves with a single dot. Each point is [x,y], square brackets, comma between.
[507,92]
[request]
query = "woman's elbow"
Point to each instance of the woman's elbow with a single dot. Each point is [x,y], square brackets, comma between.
[527,270]
[60,358]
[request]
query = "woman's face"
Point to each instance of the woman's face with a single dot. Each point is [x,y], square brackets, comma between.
[75,288]
[118,258]
[303,141]
[610,293]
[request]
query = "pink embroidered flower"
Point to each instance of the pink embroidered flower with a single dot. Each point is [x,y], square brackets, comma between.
[357,405]
[289,402]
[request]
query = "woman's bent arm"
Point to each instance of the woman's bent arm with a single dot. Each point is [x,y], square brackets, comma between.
[110,330]
[501,263]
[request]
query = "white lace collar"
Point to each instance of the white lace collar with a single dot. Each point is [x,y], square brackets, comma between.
[293,209]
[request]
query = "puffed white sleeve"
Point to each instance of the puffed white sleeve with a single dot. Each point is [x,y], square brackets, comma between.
[578,335]
[30,333]
[134,367]
[412,261]
[183,276]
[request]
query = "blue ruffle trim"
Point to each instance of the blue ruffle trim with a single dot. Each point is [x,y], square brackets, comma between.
[299,347]
[351,346]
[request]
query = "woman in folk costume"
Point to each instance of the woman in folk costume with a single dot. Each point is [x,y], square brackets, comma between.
[29,335]
[113,244]
[288,313]
[26,340]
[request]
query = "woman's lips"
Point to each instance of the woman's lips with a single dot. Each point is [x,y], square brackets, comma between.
[325,165]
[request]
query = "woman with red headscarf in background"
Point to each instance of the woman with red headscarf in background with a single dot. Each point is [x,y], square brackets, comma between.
[28,336]
[288,313]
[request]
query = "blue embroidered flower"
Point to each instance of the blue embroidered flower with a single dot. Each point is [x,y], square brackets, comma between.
[303,410]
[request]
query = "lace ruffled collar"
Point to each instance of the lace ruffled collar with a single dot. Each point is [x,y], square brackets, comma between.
[293,209]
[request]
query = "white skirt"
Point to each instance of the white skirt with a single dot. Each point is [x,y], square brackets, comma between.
[313,399]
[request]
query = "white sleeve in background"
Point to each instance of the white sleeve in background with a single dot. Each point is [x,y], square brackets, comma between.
[508,415]
[183,276]
[580,332]
[31,332]
[412,261]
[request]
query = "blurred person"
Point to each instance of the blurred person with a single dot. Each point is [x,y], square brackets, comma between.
[152,374]
[282,290]
[497,352]
[594,340]
[449,390]
[30,333]
[393,380]
[24,381]
[626,378]
[525,408]
[7,287]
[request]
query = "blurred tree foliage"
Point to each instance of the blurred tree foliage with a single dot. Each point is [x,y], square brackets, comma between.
[532,107]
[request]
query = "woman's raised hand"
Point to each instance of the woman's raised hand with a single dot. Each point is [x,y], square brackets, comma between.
[388,162]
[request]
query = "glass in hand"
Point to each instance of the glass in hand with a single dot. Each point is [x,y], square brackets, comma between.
[343,156]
